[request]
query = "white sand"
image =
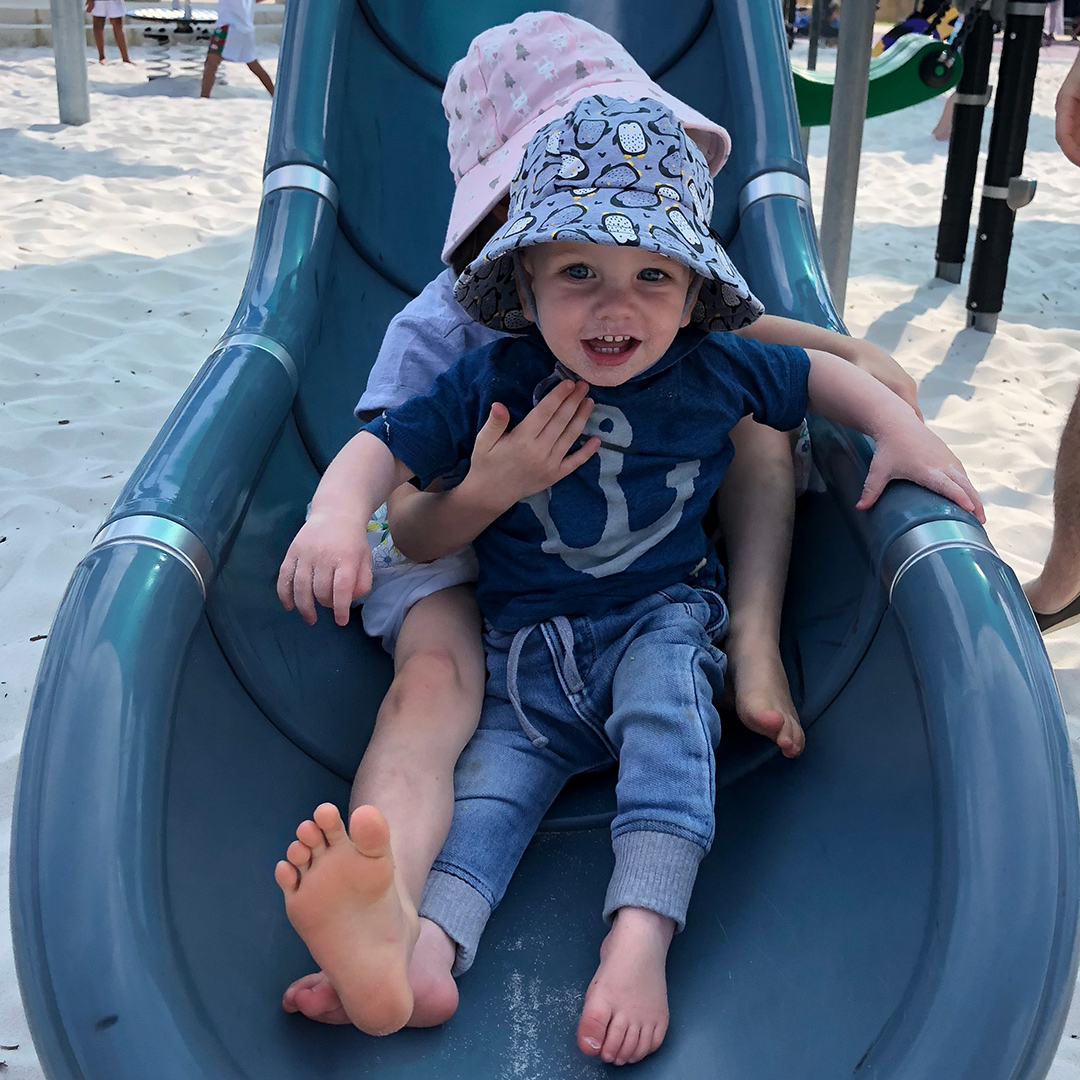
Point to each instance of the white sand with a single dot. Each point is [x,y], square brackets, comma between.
[125,245]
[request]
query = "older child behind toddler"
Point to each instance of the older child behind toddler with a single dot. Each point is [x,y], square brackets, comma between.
[601,593]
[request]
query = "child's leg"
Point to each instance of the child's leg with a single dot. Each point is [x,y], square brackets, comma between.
[505,781]
[428,715]
[352,901]
[121,41]
[99,37]
[756,506]
[213,62]
[1059,581]
[263,76]
[664,825]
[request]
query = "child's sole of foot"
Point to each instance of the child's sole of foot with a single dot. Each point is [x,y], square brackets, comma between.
[341,898]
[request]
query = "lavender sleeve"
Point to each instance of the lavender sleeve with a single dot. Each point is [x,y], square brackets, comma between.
[421,342]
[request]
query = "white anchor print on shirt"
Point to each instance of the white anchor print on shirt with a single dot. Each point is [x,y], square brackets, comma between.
[619,546]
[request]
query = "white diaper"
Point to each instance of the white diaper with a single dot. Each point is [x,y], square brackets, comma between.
[398,582]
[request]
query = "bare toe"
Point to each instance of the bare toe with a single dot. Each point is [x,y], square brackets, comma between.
[307,832]
[593,1026]
[299,854]
[287,876]
[328,818]
[629,1045]
[369,832]
[616,1032]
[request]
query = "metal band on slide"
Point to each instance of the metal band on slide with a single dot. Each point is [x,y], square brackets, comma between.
[305,177]
[267,344]
[165,535]
[908,548]
[973,99]
[1026,7]
[989,191]
[777,182]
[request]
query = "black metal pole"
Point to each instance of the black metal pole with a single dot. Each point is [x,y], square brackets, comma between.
[811,63]
[815,33]
[1005,159]
[969,104]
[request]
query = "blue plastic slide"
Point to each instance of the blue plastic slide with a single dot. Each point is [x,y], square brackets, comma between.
[899,903]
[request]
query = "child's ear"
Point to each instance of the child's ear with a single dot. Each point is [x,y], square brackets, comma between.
[691,299]
[523,281]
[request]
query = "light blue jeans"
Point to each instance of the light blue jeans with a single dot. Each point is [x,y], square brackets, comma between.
[572,695]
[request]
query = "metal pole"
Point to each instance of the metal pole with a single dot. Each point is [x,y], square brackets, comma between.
[815,33]
[814,30]
[845,142]
[969,102]
[1004,161]
[69,53]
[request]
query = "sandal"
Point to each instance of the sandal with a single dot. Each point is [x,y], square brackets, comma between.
[1060,619]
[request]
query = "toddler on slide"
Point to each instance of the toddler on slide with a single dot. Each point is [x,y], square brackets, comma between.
[514,79]
[600,624]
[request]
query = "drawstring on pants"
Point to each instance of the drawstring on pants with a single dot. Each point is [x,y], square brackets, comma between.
[571,676]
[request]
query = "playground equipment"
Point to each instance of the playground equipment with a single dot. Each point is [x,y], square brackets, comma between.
[914,69]
[1005,190]
[900,902]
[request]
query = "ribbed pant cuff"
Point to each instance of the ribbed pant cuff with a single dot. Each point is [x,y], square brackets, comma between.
[460,910]
[653,870]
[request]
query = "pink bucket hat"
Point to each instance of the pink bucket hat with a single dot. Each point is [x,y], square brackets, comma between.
[518,77]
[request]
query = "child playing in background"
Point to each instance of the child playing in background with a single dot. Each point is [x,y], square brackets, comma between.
[601,593]
[513,79]
[233,39]
[113,10]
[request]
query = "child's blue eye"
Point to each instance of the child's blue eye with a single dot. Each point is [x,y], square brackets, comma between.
[650,273]
[579,272]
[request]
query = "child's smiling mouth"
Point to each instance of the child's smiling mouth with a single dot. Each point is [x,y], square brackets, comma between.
[610,348]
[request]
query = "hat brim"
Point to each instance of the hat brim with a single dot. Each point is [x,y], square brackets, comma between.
[487,289]
[487,182]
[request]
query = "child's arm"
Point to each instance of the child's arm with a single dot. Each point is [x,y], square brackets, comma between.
[774,330]
[329,559]
[906,448]
[505,468]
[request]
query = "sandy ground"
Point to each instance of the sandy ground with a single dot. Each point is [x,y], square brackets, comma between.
[125,244]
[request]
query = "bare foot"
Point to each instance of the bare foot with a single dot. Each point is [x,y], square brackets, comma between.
[101,60]
[625,1016]
[129,61]
[762,695]
[314,996]
[435,995]
[341,898]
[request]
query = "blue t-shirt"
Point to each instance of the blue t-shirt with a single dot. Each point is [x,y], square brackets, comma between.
[628,521]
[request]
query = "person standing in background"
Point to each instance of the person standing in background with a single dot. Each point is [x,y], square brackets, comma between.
[1053,21]
[113,10]
[233,39]
[1055,594]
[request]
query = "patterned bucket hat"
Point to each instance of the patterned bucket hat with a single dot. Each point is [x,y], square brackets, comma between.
[519,76]
[610,172]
